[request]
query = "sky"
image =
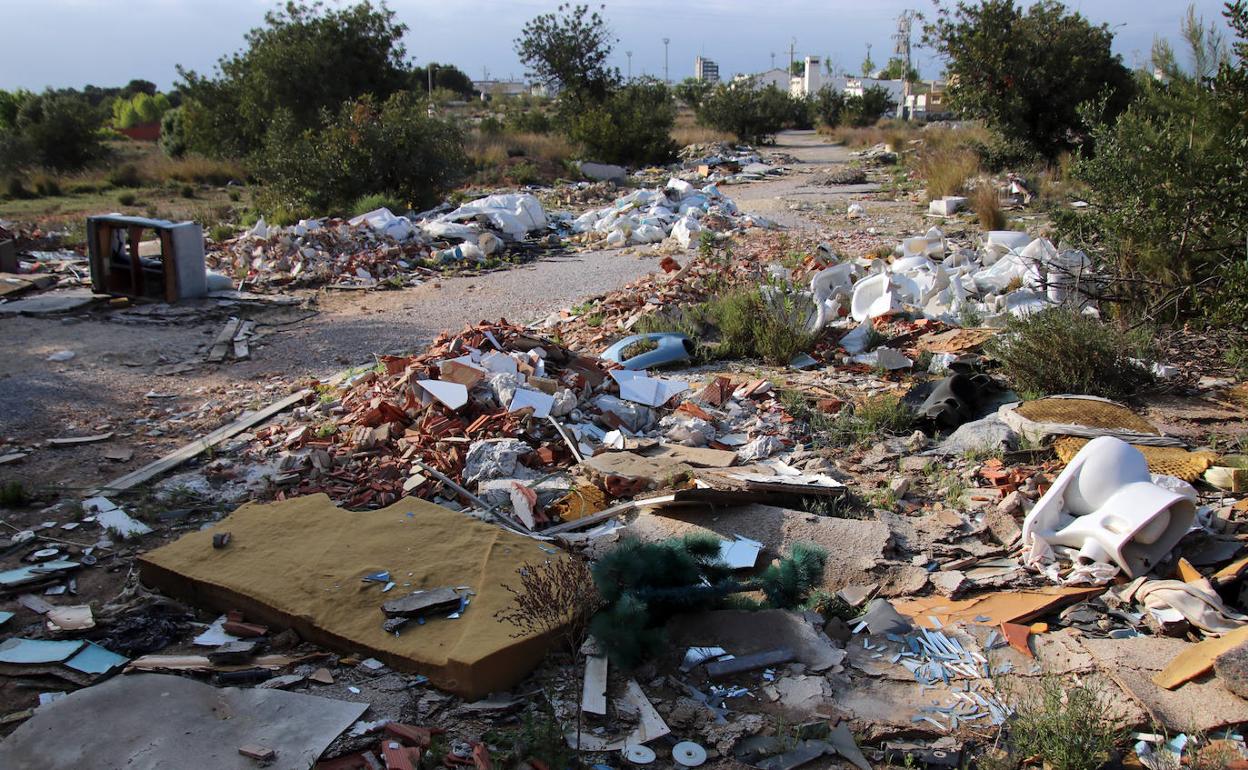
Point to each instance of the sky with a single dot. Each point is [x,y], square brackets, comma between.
[70,43]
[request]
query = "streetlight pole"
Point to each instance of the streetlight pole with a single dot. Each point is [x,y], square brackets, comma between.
[629,54]
[667,80]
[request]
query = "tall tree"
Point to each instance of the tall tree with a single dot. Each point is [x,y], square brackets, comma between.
[567,51]
[305,60]
[1025,71]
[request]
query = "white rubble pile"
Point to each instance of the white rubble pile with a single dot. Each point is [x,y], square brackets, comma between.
[1010,273]
[679,211]
[376,246]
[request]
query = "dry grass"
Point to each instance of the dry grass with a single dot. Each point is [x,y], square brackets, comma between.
[894,133]
[495,150]
[946,171]
[193,169]
[686,131]
[986,203]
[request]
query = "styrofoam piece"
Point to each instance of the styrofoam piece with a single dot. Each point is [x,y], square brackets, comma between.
[946,206]
[650,390]
[539,401]
[499,363]
[1105,506]
[1011,239]
[452,394]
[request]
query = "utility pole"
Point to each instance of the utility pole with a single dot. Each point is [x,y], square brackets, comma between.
[773,60]
[429,69]
[667,80]
[792,48]
[904,23]
[629,54]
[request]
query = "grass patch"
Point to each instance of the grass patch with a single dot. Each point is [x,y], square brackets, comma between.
[127,198]
[946,170]
[376,201]
[767,323]
[855,425]
[1067,725]
[1058,350]
[686,131]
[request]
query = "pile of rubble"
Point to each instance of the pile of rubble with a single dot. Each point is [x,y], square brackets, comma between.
[679,211]
[379,248]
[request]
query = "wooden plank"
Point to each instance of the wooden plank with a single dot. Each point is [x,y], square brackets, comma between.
[76,440]
[221,345]
[240,339]
[179,456]
[1197,659]
[594,693]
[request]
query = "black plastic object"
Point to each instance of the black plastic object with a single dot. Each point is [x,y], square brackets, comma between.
[956,399]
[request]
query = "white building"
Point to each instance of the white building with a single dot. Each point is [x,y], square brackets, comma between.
[811,79]
[895,88]
[493,89]
[706,70]
[772,77]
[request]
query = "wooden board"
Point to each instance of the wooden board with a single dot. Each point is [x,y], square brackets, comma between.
[1197,659]
[179,456]
[594,693]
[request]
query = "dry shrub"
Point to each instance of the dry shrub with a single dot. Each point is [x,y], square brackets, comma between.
[693,134]
[946,169]
[195,170]
[489,150]
[986,204]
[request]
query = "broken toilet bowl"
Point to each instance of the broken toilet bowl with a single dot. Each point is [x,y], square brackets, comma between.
[1105,506]
[672,348]
[874,297]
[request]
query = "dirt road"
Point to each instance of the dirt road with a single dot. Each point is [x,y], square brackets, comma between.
[106,385]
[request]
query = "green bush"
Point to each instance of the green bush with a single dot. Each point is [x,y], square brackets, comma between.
[1059,350]
[829,106]
[528,121]
[59,130]
[865,110]
[304,61]
[1069,726]
[125,175]
[127,198]
[376,201]
[755,115]
[173,133]
[632,127]
[1025,68]
[393,148]
[186,191]
[15,188]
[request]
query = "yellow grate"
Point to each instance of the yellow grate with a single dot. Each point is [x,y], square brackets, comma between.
[1170,461]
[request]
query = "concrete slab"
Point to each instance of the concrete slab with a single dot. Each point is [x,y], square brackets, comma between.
[156,721]
[52,302]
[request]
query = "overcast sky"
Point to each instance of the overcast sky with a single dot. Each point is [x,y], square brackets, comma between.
[108,42]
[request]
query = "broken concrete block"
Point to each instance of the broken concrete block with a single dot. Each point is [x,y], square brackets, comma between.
[1231,668]
[1003,526]
[722,668]
[899,486]
[948,583]
[496,459]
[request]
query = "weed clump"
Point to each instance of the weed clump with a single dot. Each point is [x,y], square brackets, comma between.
[1066,725]
[1059,350]
[986,204]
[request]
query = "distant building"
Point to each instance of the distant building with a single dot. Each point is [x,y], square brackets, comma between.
[494,89]
[772,77]
[895,88]
[706,70]
[928,103]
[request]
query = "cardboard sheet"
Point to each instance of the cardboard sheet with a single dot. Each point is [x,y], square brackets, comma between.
[300,563]
[992,608]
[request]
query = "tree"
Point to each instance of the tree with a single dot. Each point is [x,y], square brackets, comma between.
[753,114]
[173,133]
[894,71]
[10,105]
[633,126]
[445,76]
[61,130]
[567,51]
[1026,71]
[829,105]
[692,91]
[797,68]
[868,66]
[305,59]
[1169,193]
[366,147]
[865,110]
